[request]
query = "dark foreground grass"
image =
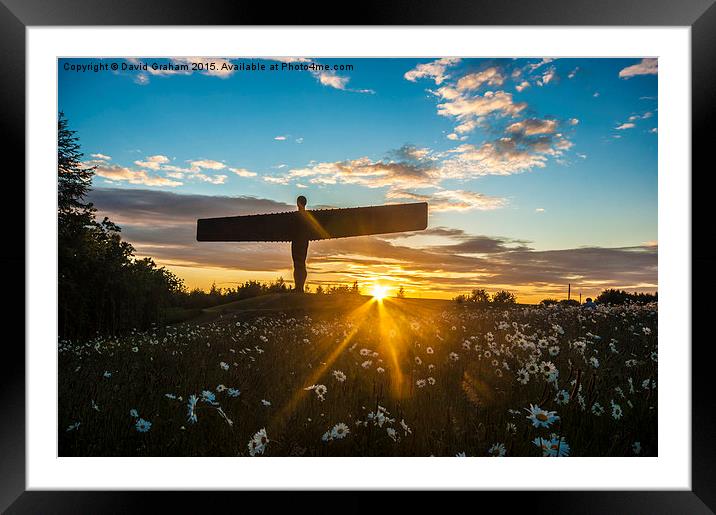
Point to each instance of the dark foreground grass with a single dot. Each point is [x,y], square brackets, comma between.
[421,378]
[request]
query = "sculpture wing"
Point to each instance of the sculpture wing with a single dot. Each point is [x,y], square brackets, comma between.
[315,224]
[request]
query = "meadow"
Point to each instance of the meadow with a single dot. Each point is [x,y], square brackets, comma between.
[312,375]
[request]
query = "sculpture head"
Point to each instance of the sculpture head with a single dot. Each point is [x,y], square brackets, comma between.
[301,202]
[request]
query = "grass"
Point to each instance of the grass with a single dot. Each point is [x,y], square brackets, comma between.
[272,348]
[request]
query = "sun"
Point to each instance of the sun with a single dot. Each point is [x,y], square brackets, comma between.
[379,292]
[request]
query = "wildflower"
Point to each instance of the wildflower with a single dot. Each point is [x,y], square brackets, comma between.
[94,406]
[220,388]
[453,356]
[339,431]
[327,436]
[554,350]
[431,380]
[365,352]
[107,374]
[523,376]
[224,366]
[265,402]
[170,396]
[616,410]
[191,405]
[208,397]
[460,455]
[339,376]
[392,433]
[380,370]
[562,397]
[540,417]
[594,361]
[429,350]
[498,372]
[597,409]
[258,443]
[366,364]
[420,383]
[133,413]
[646,330]
[72,427]
[418,361]
[405,427]
[532,368]
[233,392]
[497,450]
[555,446]
[636,447]
[143,425]
[135,349]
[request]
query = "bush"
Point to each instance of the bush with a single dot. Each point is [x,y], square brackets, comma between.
[503,297]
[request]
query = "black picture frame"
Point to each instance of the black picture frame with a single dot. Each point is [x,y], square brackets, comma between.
[700,15]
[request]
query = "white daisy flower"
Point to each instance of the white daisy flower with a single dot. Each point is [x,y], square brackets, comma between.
[497,450]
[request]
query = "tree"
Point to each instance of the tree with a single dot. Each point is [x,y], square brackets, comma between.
[479,296]
[102,288]
[503,297]
[401,293]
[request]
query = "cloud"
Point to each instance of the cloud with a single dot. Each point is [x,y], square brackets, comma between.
[102,157]
[625,126]
[153,162]
[116,173]
[435,70]
[532,126]
[573,73]
[490,76]
[491,102]
[243,172]
[539,210]
[522,86]
[326,77]
[280,138]
[647,66]
[162,224]
[207,164]
[451,200]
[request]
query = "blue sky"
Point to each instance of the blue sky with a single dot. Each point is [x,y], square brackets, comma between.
[556,154]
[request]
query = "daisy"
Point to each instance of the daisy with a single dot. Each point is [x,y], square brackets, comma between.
[233,392]
[143,425]
[265,402]
[532,368]
[191,405]
[339,431]
[339,376]
[72,427]
[562,397]
[392,433]
[636,447]
[224,366]
[429,350]
[208,396]
[555,446]
[420,383]
[597,409]
[554,350]
[498,450]
[540,417]
[405,427]
[616,410]
[380,370]
[258,443]
[133,413]
[453,356]
[460,454]
[418,361]
[220,388]
[594,361]
[107,374]
[523,376]
[431,380]
[366,364]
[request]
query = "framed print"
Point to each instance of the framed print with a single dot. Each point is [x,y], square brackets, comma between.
[371,255]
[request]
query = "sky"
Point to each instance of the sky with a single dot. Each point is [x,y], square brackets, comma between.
[538,173]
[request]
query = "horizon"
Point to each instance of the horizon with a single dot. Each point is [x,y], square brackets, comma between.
[538,172]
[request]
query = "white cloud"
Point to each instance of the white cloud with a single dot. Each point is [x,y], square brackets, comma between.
[243,172]
[103,157]
[280,138]
[539,210]
[451,200]
[533,126]
[573,73]
[207,164]
[118,173]
[152,162]
[434,70]
[490,76]
[647,66]
[522,86]
[625,126]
